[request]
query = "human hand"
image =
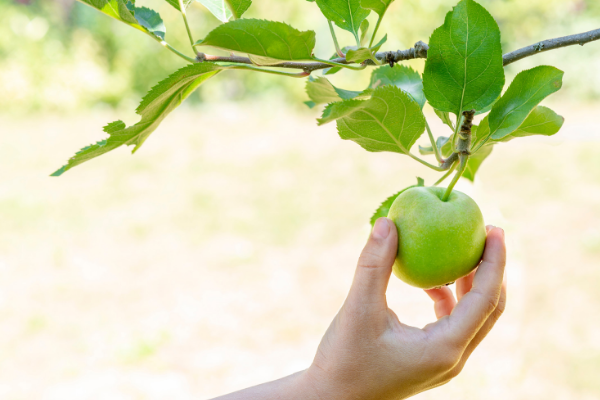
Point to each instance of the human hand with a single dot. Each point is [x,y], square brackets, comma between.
[367,353]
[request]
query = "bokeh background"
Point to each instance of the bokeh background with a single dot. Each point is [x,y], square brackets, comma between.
[215,258]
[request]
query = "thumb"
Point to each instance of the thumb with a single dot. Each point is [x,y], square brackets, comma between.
[375,264]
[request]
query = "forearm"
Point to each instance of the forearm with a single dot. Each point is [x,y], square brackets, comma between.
[293,387]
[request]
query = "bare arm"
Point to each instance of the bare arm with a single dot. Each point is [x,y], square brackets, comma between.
[368,354]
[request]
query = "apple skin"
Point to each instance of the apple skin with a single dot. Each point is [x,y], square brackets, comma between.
[439,241]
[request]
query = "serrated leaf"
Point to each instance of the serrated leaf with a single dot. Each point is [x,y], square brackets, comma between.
[320,91]
[525,92]
[362,53]
[218,8]
[384,209]
[266,40]
[239,7]
[175,3]
[400,76]
[379,6]
[154,107]
[389,121]
[464,62]
[347,14]
[150,20]
[364,29]
[339,110]
[445,117]
[475,161]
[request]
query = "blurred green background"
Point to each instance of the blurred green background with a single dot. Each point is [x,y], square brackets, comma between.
[217,255]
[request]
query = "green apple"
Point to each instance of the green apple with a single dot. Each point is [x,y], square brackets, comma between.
[439,241]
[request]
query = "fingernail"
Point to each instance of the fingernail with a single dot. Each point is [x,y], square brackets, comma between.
[381,230]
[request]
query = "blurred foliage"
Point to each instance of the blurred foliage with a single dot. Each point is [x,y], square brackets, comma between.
[61,55]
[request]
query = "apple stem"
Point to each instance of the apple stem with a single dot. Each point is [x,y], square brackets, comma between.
[463,164]
[463,147]
[447,174]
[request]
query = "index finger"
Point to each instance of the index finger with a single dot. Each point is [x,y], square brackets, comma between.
[479,303]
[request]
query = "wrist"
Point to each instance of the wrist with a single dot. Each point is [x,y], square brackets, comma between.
[318,384]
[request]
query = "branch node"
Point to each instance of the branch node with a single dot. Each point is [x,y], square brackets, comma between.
[201,57]
[421,49]
[464,135]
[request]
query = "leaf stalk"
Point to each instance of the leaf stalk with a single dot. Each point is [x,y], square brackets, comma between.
[335,41]
[375,30]
[185,21]
[436,151]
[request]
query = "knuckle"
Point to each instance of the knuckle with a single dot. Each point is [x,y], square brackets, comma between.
[454,372]
[447,360]
[490,301]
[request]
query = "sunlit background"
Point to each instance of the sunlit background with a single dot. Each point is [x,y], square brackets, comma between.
[216,256]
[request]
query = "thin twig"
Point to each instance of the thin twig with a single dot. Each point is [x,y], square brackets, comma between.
[551,44]
[420,51]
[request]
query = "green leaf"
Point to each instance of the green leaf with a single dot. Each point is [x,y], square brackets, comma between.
[141,18]
[475,160]
[525,92]
[445,117]
[268,41]
[362,53]
[113,8]
[334,70]
[347,14]
[440,142]
[238,7]
[401,76]
[339,110]
[384,208]
[225,9]
[320,91]
[464,62]
[364,29]
[379,6]
[218,8]
[389,121]
[154,107]
[175,3]
[150,20]
[541,121]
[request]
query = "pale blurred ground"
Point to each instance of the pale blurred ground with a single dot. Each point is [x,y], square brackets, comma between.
[215,257]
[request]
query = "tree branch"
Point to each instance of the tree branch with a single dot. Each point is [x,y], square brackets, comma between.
[551,44]
[420,51]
